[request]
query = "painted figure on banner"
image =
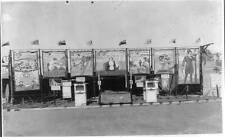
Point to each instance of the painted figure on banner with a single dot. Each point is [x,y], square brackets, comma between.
[81,63]
[139,62]
[54,64]
[188,65]
[26,71]
[164,61]
[111,65]
[110,62]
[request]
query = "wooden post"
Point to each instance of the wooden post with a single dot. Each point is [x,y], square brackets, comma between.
[41,74]
[152,59]
[201,76]
[99,88]
[68,64]
[187,90]
[126,73]
[149,55]
[93,73]
[217,91]
[176,72]
[11,77]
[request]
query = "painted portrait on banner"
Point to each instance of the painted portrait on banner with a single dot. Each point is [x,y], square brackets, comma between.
[81,63]
[139,61]
[54,64]
[110,62]
[188,66]
[26,70]
[164,61]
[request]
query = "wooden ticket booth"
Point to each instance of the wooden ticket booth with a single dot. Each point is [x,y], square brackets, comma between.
[111,71]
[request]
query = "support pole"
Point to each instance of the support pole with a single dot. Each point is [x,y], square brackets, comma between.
[187,90]
[94,76]
[11,90]
[217,91]
[41,75]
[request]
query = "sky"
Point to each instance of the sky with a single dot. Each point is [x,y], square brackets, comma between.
[107,23]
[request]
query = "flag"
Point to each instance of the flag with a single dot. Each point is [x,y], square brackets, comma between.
[90,42]
[35,42]
[198,40]
[148,41]
[123,42]
[173,41]
[62,42]
[5,44]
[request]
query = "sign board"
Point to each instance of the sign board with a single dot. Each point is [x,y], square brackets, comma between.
[54,63]
[139,80]
[26,70]
[111,62]
[188,66]
[66,89]
[139,61]
[80,79]
[81,63]
[164,60]
[55,84]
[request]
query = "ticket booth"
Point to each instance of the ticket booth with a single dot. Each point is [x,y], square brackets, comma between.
[66,89]
[151,90]
[80,91]
[80,96]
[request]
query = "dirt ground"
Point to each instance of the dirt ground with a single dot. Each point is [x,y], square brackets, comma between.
[194,118]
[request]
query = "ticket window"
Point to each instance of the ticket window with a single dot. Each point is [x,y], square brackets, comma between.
[151,91]
[80,95]
[66,89]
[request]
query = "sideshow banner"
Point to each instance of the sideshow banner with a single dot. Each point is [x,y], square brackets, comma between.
[188,66]
[4,67]
[110,62]
[26,70]
[164,61]
[139,61]
[81,63]
[54,63]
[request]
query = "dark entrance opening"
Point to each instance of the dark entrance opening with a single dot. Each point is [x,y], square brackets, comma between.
[113,83]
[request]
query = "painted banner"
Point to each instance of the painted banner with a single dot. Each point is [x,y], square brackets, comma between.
[139,61]
[110,62]
[164,61]
[26,70]
[188,65]
[54,63]
[81,63]
[4,67]
[4,72]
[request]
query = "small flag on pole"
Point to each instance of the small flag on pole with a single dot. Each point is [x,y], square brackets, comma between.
[123,42]
[90,42]
[173,41]
[35,42]
[5,44]
[198,40]
[62,42]
[148,41]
